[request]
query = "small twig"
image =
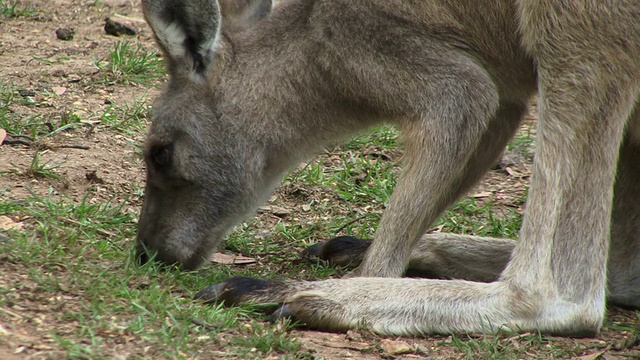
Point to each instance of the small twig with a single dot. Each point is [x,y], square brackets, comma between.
[129,18]
[73,146]
[21,136]
[203,324]
[17,142]
[199,322]
[350,223]
[341,346]
[40,145]
[104,233]
[17,316]
[108,236]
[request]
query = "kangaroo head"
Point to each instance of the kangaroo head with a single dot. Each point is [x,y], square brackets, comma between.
[205,170]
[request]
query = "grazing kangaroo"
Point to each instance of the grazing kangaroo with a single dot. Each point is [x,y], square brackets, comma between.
[254,91]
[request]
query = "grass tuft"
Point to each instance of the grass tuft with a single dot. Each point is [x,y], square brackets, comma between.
[130,118]
[14,9]
[131,64]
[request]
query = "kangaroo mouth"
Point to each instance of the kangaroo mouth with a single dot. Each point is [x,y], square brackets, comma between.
[144,256]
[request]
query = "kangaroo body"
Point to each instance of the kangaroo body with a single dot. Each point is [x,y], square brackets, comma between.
[253,91]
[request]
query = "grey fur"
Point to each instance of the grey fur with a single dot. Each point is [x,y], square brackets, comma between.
[456,77]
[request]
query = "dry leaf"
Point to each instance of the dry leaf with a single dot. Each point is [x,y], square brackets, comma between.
[6,223]
[511,172]
[227,259]
[3,135]
[395,347]
[337,342]
[593,356]
[280,211]
[609,356]
[275,210]
[59,90]
[483,194]
[589,342]
[4,331]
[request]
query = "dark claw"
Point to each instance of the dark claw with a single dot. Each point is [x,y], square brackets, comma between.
[283,312]
[314,251]
[339,251]
[142,258]
[232,291]
[210,294]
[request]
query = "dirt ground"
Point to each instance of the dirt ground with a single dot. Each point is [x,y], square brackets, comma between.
[36,62]
[57,78]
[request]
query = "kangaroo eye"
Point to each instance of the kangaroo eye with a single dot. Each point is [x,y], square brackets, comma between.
[161,155]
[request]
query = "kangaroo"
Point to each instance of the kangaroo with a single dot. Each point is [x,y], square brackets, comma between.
[255,89]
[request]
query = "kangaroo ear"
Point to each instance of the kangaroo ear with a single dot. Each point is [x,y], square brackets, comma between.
[187,32]
[239,14]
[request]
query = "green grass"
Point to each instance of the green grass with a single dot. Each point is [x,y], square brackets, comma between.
[14,8]
[6,99]
[362,180]
[40,169]
[523,141]
[129,63]
[507,345]
[467,217]
[52,59]
[82,252]
[76,256]
[130,118]
[260,339]
[31,126]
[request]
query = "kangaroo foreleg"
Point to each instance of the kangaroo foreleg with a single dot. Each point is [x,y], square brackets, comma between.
[430,183]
